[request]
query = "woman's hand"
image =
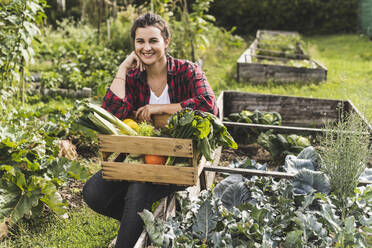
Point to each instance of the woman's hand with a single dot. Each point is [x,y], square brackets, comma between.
[132,61]
[144,113]
[118,84]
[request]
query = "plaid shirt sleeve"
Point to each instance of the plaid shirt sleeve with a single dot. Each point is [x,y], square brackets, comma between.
[118,106]
[202,96]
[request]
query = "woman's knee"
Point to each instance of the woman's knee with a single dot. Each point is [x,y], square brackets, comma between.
[89,197]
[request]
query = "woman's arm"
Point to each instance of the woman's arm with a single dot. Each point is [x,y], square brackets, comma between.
[118,84]
[145,112]
[117,100]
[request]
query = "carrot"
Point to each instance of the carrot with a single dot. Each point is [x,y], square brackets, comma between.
[155,159]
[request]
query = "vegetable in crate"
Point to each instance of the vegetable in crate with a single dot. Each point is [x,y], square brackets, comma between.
[98,119]
[204,128]
[155,159]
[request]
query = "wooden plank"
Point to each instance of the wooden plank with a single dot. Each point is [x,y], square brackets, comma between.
[277,129]
[148,173]
[261,73]
[146,145]
[207,177]
[249,172]
[253,172]
[351,108]
[293,110]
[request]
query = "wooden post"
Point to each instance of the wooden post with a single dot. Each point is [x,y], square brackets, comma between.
[99,2]
[108,29]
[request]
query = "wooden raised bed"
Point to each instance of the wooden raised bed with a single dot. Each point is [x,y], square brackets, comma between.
[300,115]
[298,52]
[250,68]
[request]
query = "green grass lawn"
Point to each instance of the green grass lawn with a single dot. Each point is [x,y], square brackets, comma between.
[83,229]
[347,57]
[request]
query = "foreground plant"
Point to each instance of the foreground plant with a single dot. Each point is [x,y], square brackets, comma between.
[262,212]
[345,153]
[204,128]
[30,170]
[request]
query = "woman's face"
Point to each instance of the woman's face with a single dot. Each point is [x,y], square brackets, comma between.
[150,45]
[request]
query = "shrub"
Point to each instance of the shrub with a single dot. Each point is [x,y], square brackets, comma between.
[308,17]
[345,153]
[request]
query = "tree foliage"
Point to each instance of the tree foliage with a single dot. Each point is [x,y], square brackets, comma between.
[18,27]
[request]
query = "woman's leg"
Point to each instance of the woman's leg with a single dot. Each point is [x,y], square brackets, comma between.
[104,196]
[139,196]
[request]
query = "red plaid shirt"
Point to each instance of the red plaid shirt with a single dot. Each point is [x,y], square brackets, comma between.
[187,85]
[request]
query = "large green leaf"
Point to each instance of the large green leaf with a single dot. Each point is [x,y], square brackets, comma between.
[156,232]
[225,183]
[328,213]
[14,204]
[307,181]
[9,197]
[294,239]
[205,221]
[14,175]
[235,194]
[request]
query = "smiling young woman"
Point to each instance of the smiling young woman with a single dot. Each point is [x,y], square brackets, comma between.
[149,81]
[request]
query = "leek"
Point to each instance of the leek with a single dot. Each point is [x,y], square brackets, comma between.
[112,119]
[102,125]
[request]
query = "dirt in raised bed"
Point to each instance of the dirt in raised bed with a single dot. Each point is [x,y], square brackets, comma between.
[72,193]
[253,151]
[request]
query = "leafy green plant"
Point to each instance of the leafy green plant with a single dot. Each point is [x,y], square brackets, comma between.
[30,169]
[290,62]
[345,153]
[281,145]
[76,60]
[280,45]
[204,128]
[255,117]
[18,27]
[262,212]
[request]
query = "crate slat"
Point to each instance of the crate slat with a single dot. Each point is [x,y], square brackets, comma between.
[148,173]
[146,145]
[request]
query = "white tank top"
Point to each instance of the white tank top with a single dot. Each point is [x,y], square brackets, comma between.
[162,99]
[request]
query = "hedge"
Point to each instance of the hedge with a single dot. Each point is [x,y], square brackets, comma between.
[305,16]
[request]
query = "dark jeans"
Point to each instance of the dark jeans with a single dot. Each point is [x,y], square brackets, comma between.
[123,200]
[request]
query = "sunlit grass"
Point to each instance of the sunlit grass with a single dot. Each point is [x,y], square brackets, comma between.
[83,229]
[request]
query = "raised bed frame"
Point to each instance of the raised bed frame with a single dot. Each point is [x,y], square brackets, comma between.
[300,115]
[261,73]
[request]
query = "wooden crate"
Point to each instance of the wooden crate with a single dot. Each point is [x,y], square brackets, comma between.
[300,115]
[149,172]
[187,176]
[257,72]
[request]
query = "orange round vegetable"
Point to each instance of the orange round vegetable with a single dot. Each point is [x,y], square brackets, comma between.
[155,159]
